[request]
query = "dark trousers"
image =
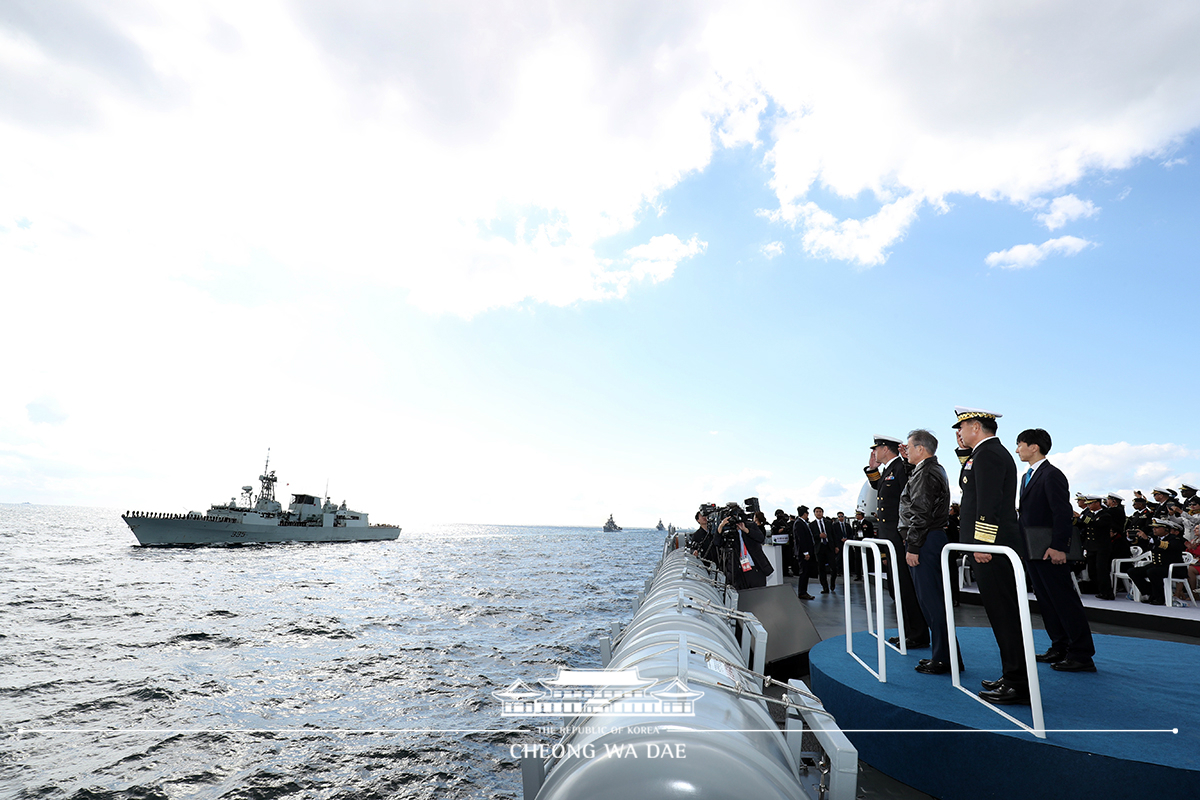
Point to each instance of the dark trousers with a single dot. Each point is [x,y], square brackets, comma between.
[789,560]
[927,584]
[805,572]
[1149,580]
[998,591]
[1062,610]
[953,556]
[915,626]
[827,566]
[1099,561]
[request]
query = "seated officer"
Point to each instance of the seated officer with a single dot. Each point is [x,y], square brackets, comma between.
[1167,550]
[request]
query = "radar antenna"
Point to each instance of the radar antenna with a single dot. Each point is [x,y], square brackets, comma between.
[267,479]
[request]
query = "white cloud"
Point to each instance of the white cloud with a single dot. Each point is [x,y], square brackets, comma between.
[479,158]
[1121,467]
[772,249]
[658,258]
[1171,163]
[1024,256]
[1066,209]
[885,100]
[859,241]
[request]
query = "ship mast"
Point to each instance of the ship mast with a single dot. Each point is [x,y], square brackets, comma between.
[267,480]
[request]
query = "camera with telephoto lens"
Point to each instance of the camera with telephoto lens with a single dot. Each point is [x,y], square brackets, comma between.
[734,513]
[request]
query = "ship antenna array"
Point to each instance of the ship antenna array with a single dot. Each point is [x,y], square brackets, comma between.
[268,480]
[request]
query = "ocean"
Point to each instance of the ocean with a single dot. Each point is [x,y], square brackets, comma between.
[360,670]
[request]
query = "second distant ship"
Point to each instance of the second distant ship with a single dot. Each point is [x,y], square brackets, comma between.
[260,519]
[610,525]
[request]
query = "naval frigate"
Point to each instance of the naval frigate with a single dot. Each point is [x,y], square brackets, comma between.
[258,519]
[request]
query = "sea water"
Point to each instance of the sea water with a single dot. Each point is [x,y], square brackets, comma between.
[355,670]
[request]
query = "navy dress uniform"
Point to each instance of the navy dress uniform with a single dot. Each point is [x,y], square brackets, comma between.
[1095,528]
[888,484]
[988,481]
[1166,551]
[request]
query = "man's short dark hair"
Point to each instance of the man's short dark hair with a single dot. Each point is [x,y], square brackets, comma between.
[818,508]
[1036,436]
[988,424]
[923,438]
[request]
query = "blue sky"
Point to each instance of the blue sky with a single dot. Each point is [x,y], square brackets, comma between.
[544,265]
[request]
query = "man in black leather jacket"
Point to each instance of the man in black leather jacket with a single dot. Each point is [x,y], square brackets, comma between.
[924,512]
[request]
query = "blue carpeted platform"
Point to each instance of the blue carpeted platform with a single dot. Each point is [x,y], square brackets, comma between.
[1140,684]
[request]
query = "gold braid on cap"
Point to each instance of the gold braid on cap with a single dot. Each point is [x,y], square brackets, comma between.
[966,415]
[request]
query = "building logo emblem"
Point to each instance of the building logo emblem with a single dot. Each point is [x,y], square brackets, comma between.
[599,692]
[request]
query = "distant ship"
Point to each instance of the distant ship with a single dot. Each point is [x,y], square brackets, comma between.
[258,519]
[659,526]
[610,525]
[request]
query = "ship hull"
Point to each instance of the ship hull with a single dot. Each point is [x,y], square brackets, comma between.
[197,531]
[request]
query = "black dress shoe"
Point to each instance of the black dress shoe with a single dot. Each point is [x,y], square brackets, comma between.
[908,643]
[1106,597]
[992,686]
[824,591]
[1071,665]
[933,668]
[807,597]
[1050,656]
[1006,696]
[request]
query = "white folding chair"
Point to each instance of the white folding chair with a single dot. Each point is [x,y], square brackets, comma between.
[963,569]
[1171,580]
[1119,565]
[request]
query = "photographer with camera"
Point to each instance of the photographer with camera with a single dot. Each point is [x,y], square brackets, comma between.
[747,566]
[702,543]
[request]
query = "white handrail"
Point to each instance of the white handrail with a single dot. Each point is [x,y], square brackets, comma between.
[1035,692]
[880,638]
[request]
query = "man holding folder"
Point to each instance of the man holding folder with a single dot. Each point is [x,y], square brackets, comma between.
[1045,517]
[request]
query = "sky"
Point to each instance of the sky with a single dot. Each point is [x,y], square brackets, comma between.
[542,262]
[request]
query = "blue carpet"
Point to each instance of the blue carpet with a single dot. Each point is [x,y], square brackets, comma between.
[1140,684]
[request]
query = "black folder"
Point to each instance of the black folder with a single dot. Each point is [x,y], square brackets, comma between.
[1038,540]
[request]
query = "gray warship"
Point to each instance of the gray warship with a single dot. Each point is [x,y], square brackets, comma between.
[257,520]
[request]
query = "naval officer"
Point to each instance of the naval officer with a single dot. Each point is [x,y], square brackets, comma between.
[988,480]
[888,474]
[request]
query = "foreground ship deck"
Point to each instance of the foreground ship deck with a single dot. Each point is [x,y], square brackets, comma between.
[260,520]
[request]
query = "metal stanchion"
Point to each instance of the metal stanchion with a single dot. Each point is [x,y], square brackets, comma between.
[1035,692]
[880,634]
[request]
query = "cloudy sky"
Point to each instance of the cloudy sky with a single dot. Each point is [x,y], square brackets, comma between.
[539,262]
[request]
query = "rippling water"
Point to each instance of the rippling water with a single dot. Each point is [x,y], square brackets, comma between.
[308,670]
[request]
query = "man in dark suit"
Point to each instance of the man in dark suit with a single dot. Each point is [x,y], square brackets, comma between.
[802,544]
[989,516]
[888,474]
[828,548]
[1046,504]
